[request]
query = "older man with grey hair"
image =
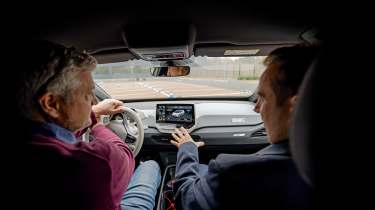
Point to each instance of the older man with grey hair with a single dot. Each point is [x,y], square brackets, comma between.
[56,99]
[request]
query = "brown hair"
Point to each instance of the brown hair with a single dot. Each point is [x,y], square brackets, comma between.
[293,62]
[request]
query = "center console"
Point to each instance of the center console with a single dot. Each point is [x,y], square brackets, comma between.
[166,200]
[168,117]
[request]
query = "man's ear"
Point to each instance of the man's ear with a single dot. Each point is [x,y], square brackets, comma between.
[50,104]
[292,102]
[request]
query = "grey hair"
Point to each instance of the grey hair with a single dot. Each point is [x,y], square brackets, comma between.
[53,68]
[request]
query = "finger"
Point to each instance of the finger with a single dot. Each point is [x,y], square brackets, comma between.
[174,143]
[184,131]
[199,143]
[186,134]
[116,105]
[176,137]
[117,102]
[178,132]
[118,110]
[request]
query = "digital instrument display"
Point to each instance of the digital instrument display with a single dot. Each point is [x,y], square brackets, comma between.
[175,113]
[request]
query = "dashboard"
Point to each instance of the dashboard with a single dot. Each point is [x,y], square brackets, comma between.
[217,123]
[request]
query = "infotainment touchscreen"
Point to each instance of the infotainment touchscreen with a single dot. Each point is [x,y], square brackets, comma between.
[175,113]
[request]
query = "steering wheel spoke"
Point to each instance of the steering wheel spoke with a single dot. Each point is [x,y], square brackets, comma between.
[128,126]
[134,130]
[130,139]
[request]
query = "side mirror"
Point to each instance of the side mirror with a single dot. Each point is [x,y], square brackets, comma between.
[170,71]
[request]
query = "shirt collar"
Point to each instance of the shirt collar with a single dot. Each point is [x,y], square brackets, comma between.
[55,131]
[281,148]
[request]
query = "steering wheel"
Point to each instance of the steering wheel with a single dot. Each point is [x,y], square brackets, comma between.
[129,127]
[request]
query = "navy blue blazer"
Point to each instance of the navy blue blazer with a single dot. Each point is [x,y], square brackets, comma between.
[267,179]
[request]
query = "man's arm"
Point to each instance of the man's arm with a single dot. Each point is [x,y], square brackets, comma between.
[117,151]
[94,122]
[192,189]
[109,146]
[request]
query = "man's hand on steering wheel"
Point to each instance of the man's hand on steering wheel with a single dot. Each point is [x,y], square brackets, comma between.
[108,107]
[122,128]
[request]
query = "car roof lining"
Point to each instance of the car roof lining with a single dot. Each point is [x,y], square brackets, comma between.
[210,50]
[217,28]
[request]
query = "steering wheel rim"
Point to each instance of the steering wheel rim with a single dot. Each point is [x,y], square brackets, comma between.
[139,136]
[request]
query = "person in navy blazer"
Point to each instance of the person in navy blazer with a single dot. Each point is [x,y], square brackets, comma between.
[267,179]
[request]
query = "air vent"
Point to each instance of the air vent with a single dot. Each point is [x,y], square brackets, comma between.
[259,133]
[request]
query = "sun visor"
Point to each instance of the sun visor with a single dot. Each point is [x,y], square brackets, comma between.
[160,42]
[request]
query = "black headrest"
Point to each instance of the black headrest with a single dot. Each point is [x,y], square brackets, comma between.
[302,134]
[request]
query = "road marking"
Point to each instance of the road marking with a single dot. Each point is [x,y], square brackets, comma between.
[157,89]
[164,93]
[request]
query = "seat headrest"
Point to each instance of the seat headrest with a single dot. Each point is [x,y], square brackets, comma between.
[302,133]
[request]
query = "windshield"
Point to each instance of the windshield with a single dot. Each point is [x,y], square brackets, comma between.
[209,77]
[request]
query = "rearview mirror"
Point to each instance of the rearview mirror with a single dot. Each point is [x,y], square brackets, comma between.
[170,71]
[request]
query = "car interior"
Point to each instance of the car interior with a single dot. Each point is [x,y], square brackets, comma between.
[137,37]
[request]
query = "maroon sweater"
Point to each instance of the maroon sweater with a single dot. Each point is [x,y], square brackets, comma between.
[84,175]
